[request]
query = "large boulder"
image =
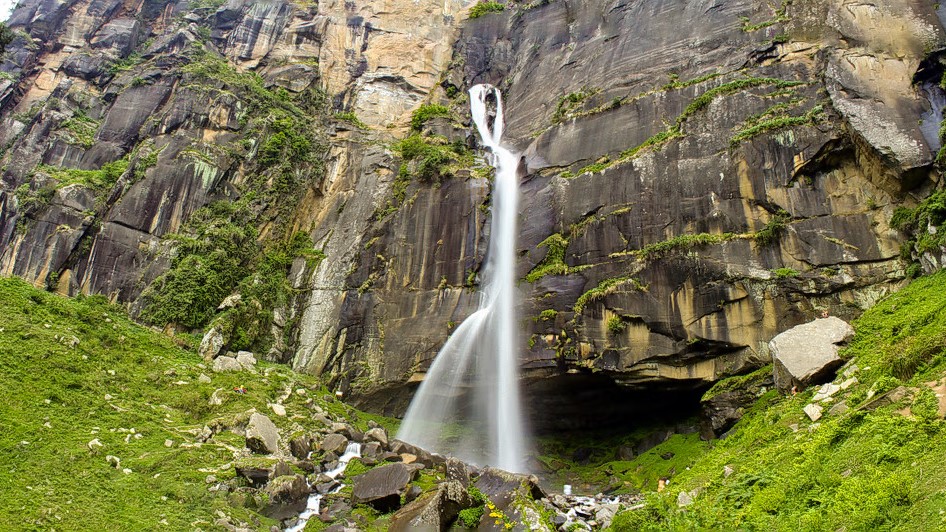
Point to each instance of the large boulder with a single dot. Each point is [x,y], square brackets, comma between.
[256,476]
[335,443]
[808,354]
[287,489]
[224,364]
[502,487]
[261,435]
[382,486]
[421,455]
[434,511]
[211,344]
[377,434]
[720,411]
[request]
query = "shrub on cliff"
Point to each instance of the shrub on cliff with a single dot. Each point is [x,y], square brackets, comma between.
[484,8]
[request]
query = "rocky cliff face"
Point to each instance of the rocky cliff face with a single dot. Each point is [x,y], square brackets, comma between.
[700,175]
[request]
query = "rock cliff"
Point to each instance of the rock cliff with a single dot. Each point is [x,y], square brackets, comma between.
[700,176]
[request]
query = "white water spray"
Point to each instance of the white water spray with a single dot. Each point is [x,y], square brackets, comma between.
[468,405]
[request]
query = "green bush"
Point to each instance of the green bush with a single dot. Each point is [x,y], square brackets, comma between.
[431,158]
[426,112]
[605,288]
[484,8]
[470,517]
[773,228]
[212,255]
[554,261]
[616,325]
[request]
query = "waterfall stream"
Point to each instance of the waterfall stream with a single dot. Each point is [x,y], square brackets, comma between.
[314,503]
[930,120]
[468,405]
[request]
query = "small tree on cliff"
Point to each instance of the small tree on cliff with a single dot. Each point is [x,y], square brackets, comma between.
[6,37]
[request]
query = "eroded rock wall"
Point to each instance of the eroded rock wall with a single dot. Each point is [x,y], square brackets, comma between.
[717,171]
[700,175]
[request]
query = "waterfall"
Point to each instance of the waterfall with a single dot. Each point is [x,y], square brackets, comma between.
[314,503]
[468,405]
[930,120]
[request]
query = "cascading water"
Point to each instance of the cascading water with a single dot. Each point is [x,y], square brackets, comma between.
[313,505]
[468,405]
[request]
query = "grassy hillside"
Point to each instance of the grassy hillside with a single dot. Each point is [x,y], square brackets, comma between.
[74,371]
[77,370]
[869,468]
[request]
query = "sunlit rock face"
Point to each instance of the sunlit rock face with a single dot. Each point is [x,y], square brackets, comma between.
[715,172]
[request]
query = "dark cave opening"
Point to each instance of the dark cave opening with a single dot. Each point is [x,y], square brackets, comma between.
[594,402]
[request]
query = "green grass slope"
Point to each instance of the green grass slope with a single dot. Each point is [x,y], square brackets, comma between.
[77,370]
[869,468]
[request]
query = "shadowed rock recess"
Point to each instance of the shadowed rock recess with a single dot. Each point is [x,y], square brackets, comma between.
[700,176]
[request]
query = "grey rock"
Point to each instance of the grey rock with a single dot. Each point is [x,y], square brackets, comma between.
[371,450]
[335,443]
[120,34]
[886,398]
[281,469]
[377,434]
[257,476]
[626,452]
[605,514]
[826,391]
[434,511]
[224,364]
[230,301]
[808,353]
[286,489]
[211,344]
[685,498]
[348,431]
[838,409]
[300,447]
[382,486]
[261,435]
[246,359]
[457,470]
[813,411]
[327,486]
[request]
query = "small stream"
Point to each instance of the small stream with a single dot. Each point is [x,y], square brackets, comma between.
[313,505]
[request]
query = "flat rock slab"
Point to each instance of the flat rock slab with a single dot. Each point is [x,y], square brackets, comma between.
[813,411]
[382,486]
[808,353]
